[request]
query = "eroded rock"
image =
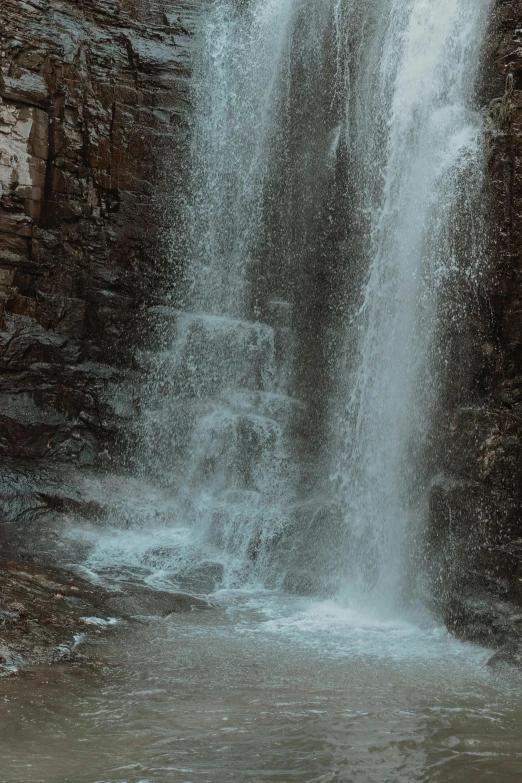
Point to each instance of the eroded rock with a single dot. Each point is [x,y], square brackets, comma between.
[476,504]
[93,100]
[205,577]
[484,620]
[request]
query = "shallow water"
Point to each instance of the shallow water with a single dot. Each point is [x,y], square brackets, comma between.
[266,688]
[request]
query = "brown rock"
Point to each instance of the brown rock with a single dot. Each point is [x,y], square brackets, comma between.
[476,507]
[38,625]
[91,102]
[136,600]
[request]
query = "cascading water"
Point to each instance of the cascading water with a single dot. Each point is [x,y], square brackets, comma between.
[219,397]
[336,149]
[415,145]
[222,417]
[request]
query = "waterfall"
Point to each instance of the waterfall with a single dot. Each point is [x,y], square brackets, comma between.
[415,140]
[220,425]
[334,229]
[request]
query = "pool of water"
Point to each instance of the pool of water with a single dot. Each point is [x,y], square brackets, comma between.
[266,688]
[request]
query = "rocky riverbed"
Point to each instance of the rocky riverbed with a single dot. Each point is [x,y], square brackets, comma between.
[46,613]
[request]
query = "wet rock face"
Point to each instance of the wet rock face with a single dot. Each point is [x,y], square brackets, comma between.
[93,101]
[510,656]
[475,533]
[141,601]
[45,614]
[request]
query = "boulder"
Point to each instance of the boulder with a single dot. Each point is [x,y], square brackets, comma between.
[509,656]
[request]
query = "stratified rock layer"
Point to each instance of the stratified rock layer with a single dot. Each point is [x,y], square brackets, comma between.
[93,100]
[475,535]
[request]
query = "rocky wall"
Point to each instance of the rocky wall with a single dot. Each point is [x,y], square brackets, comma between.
[93,123]
[475,532]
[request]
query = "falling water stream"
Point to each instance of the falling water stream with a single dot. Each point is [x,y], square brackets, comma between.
[416,145]
[335,231]
[336,168]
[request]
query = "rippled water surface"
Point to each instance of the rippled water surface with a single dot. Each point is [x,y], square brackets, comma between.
[264,688]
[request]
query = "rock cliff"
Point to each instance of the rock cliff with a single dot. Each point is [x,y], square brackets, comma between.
[476,503]
[93,123]
[93,128]
[93,99]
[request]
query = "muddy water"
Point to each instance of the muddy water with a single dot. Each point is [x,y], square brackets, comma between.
[266,689]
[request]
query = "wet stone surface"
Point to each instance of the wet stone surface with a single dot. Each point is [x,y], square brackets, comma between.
[45,613]
[509,657]
[475,525]
[137,600]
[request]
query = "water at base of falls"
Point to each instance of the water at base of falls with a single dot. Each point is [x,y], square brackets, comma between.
[265,690]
